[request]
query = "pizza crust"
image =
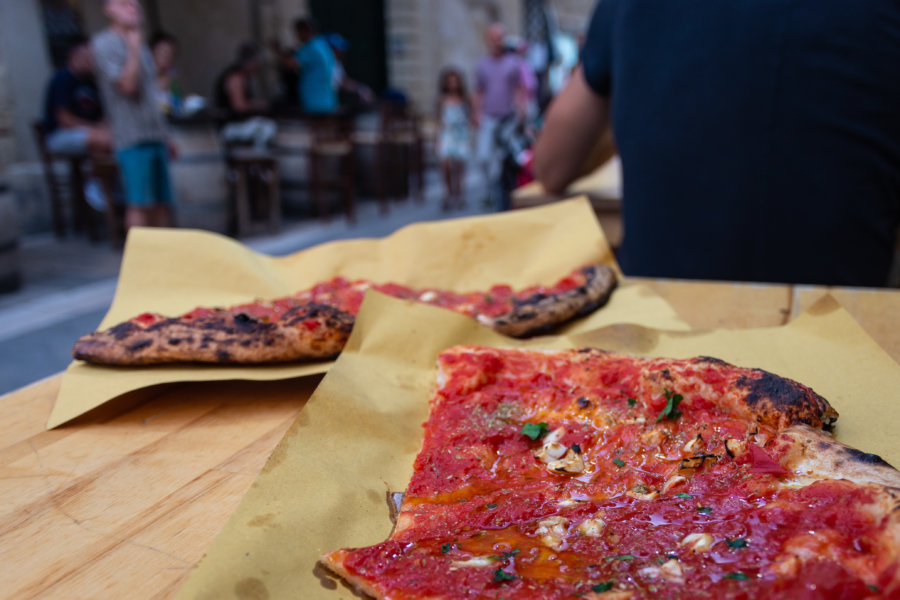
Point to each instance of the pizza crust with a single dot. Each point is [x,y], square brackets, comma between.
[542,312]
[816,454]
[334,561]
[314,331]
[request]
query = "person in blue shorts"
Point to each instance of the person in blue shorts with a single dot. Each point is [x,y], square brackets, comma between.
[126,75]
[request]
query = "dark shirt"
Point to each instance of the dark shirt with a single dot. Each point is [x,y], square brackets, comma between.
[223,100]
[760,140]
[79,96]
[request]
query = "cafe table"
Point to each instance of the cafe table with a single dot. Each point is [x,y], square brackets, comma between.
[124,504]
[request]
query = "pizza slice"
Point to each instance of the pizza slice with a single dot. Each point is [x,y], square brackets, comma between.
[596,475]
[315,323]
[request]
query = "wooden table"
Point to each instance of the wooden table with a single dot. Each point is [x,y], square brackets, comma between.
[124,506]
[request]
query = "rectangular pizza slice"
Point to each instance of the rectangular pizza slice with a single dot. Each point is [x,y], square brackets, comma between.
[590,474]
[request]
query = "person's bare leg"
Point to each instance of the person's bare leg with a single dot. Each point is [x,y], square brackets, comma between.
[161,215]
[451,182]
[447,170]
[99,141]
[137,217]
[461,183]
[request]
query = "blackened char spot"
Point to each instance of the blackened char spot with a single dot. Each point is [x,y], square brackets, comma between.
[591,306]
[122,330]
[533,299]
[137,346]
[174,341]
[247,324]
[666,374]
[524,315]
[865,457]
[711,360]
[160,325]
[223,356]
[788,397]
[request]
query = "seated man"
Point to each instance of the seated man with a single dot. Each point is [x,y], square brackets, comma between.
[164,48]
[73,114]
[234,97]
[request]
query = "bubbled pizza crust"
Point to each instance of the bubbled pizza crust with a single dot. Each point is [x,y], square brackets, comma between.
[815,454]
[542,312]
[313,331]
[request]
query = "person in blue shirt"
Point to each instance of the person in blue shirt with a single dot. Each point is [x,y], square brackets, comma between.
[316,64]
[760,141]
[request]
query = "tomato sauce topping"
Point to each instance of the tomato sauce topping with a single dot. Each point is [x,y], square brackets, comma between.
[544,476]
[148,319]
[348,295]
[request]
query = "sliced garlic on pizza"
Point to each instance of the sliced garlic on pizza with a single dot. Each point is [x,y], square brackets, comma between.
[590,474]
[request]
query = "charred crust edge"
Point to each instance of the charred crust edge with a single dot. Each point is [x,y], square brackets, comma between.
[798,403]
[541,313]
[865,458]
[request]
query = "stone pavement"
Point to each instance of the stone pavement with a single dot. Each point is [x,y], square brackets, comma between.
[69,284]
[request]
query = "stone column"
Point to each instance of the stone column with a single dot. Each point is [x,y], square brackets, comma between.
[22,36]
[8,148]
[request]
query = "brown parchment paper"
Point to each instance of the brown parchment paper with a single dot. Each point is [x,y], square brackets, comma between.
[172,271]
[324,486]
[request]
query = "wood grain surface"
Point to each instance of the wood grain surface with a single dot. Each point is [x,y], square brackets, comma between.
[124,505]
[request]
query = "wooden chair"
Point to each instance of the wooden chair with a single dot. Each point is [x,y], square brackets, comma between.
[332,141]
[400,153]
[107,172]
[60,189]
[255,183]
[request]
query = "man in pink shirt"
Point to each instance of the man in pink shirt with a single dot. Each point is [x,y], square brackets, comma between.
[499,93]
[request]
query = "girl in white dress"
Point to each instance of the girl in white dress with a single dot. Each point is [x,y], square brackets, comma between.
[454,114]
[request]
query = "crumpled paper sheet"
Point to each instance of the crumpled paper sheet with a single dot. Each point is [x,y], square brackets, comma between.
[172,271]
[324,486]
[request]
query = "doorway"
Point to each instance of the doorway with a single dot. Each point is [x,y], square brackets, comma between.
[362,24]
